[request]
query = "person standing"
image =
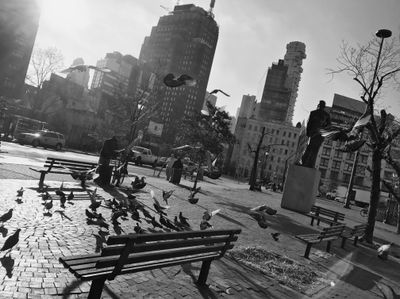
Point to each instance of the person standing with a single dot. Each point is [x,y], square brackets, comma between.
[108,152]
[169,163]
[177,168]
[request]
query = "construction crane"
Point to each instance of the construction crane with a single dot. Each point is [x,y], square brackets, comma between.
[210,11]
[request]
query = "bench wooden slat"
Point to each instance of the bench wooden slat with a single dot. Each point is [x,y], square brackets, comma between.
[122,239]
[117,249]
[104,272]
[50,159]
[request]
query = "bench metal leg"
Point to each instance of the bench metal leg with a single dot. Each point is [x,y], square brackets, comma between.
[41,180]
[343,242]
[355,241]
[328,246]
[312,221]
[318,221]
[308,249]
[205,268]
[96,288]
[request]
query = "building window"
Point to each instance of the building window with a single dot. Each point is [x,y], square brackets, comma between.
[350,156]
[348,166]
[324,162]
[336,164]
[364,159]
[346,177]
[338,154]
[284,133]
[323,172]
[334,175]
[360,170]
[326,151]
[289,135]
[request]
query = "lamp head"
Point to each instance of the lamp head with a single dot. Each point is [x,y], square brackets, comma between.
[383,33]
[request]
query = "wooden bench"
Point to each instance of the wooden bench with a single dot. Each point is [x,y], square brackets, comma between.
[328,234]
[140,252]
[321,215]
[62,166]
[357,231]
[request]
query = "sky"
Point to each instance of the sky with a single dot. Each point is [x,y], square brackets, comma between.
[253,35]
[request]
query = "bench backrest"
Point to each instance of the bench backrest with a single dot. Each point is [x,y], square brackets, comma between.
[160,247]
[332,231]
[69,164]
[326,212]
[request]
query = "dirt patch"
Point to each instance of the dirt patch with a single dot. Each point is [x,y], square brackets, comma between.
[287,272]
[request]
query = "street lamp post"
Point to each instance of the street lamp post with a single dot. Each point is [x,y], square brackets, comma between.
[382,34]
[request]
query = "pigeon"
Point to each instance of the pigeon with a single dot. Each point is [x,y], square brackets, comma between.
[84,68]
[219,90]
[166,195]
[63,200]
[115,215]
[146,213]
[138,183]
[383,251]
[135,215]
[204,225]
[183,220]
[167,223]
[59,192]
[178,224]
[7,216]
[207,215]
[11,241]
[160,209]
[48,205]
[275,236]
[90,215]
[170,80]
[46,196]
[100,240]
[138,229]
[20,192]
[155,223]
[71,196]
[8,263]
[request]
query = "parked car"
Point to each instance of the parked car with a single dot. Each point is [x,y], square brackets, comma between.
[42,138]
[141,155]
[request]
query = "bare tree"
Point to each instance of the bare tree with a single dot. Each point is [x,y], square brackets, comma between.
[373,66]
[43,63]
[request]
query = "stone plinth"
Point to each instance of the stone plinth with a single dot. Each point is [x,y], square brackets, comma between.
[301,188]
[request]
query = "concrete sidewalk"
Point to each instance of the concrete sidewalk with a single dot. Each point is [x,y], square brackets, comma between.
[33,271]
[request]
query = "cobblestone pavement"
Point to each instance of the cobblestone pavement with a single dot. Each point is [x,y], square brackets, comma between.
[32,269]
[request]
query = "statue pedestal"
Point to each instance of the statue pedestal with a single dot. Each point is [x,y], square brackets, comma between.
[301,188]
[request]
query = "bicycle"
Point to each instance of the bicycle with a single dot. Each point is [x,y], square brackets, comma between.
[120,169]
[364,212]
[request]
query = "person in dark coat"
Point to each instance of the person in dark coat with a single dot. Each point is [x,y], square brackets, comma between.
[319,119]
[177,168]
[108,152]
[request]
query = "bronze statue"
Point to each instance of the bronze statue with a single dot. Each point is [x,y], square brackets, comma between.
[319,119]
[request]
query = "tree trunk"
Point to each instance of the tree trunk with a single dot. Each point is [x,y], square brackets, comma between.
[375,194]
[253,175]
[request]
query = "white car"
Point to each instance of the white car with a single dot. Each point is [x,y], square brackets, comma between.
[42,138]
[141,155]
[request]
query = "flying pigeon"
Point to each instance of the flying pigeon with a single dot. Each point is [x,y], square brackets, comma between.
[85,68]
[207,215]
[170,80]
[219,90]
[11,241]
[383,251]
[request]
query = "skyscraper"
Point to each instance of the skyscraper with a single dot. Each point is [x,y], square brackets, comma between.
[275,99]
[183,42]
[19,21]
[295,53]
